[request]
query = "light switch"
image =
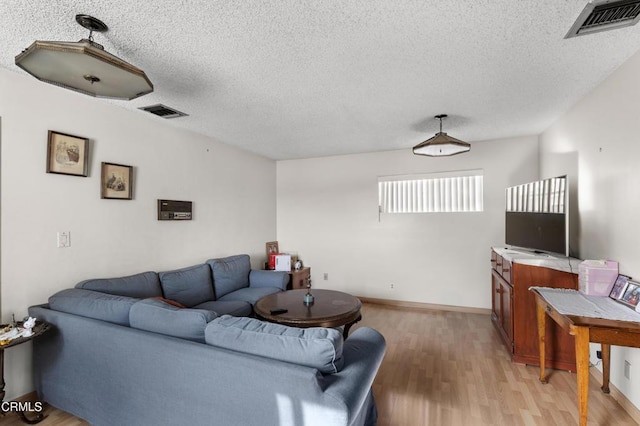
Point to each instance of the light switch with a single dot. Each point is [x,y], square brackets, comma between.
[64,239]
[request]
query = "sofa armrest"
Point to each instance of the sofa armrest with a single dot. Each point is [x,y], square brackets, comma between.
[363,352]
[262,278]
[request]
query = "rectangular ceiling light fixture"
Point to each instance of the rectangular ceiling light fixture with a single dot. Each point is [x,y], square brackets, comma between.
[605,15]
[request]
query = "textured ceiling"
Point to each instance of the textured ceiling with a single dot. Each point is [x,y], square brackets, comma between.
[294,79]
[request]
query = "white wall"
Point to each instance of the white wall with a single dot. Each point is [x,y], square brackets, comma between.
[328,214]
[233,194]
[597,142]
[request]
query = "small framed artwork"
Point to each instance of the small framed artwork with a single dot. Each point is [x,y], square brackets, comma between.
[116,181]
[272,248]
[619,287]
[67,154]
[631,294]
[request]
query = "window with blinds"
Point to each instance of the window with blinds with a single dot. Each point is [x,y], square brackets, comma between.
[431,193]
[545,196]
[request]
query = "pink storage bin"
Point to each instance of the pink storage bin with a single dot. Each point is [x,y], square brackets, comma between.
[596,278]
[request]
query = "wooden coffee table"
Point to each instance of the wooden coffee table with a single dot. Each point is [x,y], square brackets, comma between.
[330,309]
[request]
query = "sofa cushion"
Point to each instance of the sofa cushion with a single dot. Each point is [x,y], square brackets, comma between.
[143,285]
[263,278]
[189,286]
[93,304]
[230,273]
[249,294]
[160,317]
[235,308]
[319,348]
[169,301]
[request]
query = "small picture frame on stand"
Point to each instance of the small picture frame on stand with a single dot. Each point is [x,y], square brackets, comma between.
[272,248]
[619,287]
[631,295]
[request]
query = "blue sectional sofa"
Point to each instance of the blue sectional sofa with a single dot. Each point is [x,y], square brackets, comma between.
[225,286]
[166,349]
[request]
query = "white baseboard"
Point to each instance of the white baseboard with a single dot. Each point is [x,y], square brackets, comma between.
[615,393]
[426,306]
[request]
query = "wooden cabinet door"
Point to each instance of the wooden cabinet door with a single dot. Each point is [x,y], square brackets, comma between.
[559,344]
[502,308]
[495,298]
[506,294]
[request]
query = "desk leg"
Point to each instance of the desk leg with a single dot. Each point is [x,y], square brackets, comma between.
[606,360]
[542,317]
[582,366]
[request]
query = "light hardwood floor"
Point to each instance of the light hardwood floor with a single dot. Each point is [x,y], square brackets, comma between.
[449,368]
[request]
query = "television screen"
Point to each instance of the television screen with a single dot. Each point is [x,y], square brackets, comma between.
[538,231]
[536,216]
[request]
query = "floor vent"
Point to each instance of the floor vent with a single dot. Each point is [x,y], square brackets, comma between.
[605,15]
[163,111]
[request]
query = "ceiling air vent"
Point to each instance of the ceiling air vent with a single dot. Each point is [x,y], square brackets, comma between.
[163,111]
[605,15]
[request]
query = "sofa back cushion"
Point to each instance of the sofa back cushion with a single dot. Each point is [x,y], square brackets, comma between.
[319,348]
[145,284]
[160,317]
[189,286]
[93,304]
[230,273]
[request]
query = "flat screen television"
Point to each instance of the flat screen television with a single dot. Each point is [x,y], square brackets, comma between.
[537,216]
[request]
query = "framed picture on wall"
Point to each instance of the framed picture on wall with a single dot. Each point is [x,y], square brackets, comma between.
[116,181]
[67,154]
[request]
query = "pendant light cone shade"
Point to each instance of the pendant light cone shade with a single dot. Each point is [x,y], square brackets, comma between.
[441,145]
[85,67]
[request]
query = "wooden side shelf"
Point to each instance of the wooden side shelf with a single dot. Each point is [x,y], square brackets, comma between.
[513,310]
[299,279]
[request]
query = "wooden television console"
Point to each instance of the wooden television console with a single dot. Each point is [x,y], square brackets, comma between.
[513,306]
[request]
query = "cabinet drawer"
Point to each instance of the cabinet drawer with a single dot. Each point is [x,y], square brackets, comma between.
[502,266]
[506,270]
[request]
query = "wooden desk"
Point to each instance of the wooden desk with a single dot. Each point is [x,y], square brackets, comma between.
[586,329]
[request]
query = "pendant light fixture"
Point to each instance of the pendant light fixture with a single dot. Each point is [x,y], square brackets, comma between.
[441,145]
[84,66]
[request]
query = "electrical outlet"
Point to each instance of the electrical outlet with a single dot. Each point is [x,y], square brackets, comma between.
[627,369]
[326,276]
[599,354]
[392,286]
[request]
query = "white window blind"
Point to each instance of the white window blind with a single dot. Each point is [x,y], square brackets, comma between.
[545,196]
[430,193]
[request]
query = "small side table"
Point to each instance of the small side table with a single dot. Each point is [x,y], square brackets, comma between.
[39,329]
[299,279]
